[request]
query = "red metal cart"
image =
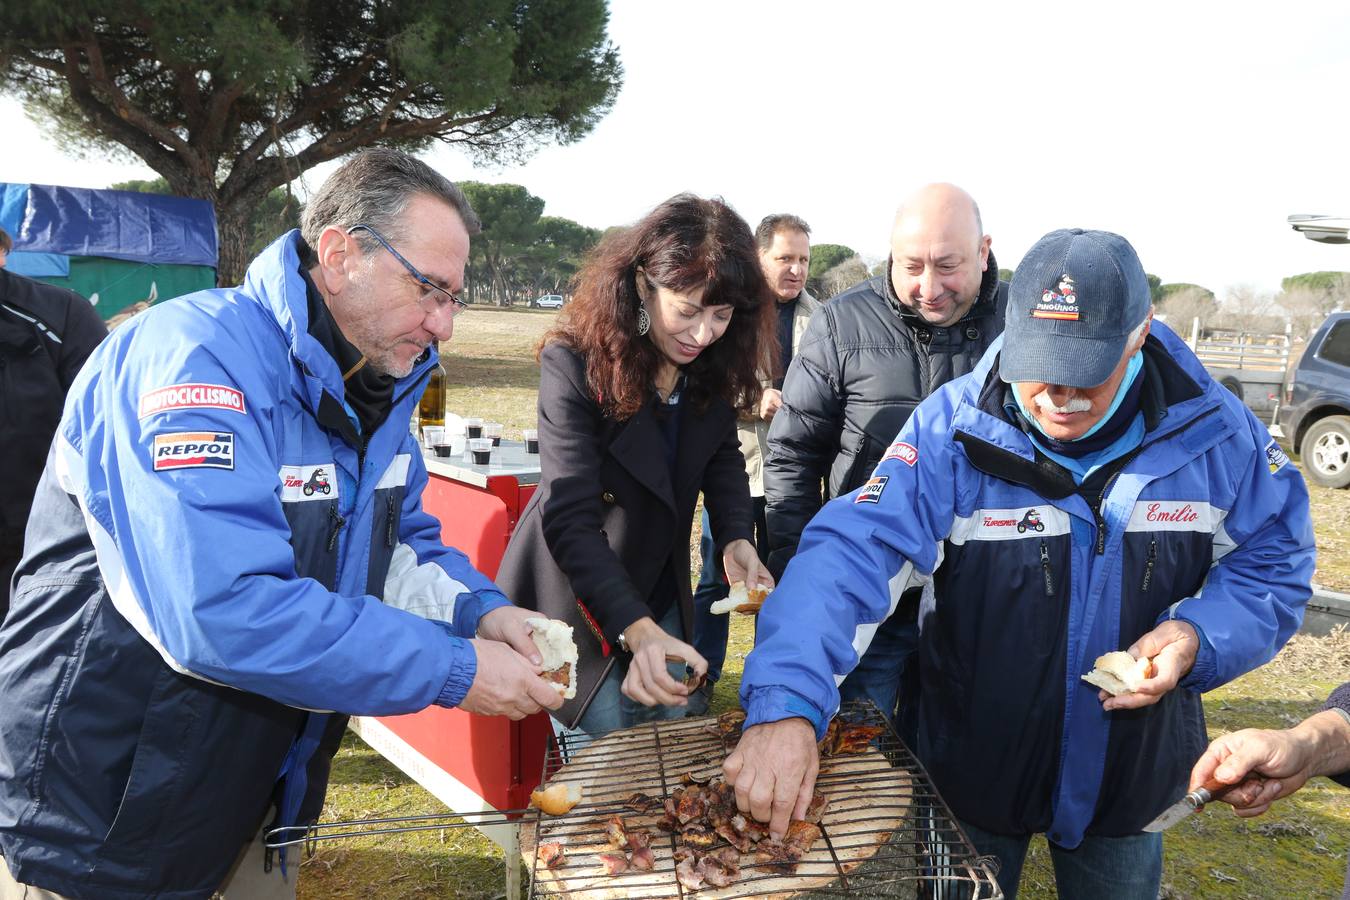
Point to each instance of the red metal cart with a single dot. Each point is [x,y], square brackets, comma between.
[472,763]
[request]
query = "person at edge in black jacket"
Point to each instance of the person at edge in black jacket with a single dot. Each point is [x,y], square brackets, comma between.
[46,334]
[866,361]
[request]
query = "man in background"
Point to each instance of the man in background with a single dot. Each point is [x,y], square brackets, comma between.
[872,355]
[785,255]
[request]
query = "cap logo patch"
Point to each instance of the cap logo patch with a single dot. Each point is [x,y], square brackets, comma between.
[1059,302]
[194,450]
[871,492]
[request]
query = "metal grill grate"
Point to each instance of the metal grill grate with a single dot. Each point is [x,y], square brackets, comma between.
[885,831]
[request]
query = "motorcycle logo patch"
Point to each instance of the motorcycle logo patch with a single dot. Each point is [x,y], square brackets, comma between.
[193,450]
[303,483]
[1061,302]
[871,491]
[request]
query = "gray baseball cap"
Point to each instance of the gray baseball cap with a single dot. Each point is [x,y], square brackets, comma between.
[1073,302]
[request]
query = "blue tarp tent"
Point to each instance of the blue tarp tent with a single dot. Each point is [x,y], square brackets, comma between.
[115,247]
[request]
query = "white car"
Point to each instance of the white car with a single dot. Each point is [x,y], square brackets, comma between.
[549,301]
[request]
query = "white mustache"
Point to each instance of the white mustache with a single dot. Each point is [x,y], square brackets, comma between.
[1076,405]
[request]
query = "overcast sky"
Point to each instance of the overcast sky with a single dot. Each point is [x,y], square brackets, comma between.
[1192,128]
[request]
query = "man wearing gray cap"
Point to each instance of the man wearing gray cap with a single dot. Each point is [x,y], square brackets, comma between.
[1087,488]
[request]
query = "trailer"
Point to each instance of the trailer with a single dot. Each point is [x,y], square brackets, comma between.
[1252,366]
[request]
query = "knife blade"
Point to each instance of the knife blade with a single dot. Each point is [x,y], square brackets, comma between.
[1193,802]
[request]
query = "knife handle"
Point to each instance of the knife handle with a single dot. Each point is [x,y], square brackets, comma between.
[1213,788]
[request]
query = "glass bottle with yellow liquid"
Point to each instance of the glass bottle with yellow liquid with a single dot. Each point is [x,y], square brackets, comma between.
[431,409]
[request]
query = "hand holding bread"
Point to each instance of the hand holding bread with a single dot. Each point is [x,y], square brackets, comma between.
[559,653]
[1168,651]
[741,562]
[506,683]
[1119,673]
[741,599]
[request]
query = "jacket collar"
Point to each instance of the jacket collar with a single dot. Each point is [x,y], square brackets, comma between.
[986,304]
[806,303]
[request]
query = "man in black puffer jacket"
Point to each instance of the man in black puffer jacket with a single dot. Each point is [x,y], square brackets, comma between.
[868,358]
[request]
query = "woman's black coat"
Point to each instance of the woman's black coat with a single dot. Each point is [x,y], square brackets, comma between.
[606,516]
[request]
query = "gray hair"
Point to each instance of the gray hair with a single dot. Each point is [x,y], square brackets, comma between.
[1139,329]
[374,188]
[772,224]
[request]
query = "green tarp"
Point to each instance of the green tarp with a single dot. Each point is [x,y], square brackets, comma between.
[114,284]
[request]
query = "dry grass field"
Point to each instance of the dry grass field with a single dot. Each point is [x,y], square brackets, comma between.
[1298,850]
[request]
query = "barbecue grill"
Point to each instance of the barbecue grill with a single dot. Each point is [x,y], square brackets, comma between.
[885,832]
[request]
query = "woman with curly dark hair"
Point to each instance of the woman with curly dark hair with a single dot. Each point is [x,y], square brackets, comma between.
[640,385]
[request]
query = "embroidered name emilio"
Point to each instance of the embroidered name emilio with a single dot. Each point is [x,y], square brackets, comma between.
[1184,514]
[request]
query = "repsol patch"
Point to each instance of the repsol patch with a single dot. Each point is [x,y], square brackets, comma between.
[1276,457]
[191,396]
[871,491]
[193,450]
[906,453]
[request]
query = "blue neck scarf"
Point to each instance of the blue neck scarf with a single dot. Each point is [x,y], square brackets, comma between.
[1119,417]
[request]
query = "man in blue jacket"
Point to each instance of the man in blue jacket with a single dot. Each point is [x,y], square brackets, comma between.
[228,543]
[1087,488]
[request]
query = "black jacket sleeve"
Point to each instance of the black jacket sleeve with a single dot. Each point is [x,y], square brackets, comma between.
[803,439]
[726,493]
[84,330]
[571,424]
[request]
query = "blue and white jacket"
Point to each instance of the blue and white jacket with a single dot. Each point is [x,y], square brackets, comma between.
[214,553]
[1028,577]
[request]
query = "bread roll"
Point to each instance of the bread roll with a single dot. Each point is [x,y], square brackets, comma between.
[1119,673]
[740,599]
[559,652]
[556,799]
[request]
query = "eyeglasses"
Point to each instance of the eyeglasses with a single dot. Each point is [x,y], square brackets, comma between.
[436,298]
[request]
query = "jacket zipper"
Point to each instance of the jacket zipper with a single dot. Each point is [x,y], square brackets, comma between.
[337,521]
[389,532]
[1106,488]
[1045,570]
[361,453]
[1148,566]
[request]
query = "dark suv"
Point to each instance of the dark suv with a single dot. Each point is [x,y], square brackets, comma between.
[1314,418]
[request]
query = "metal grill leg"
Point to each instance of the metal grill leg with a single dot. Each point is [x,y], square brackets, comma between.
[512,851]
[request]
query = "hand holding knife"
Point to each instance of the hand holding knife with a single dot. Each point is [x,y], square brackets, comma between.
[1196,800]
